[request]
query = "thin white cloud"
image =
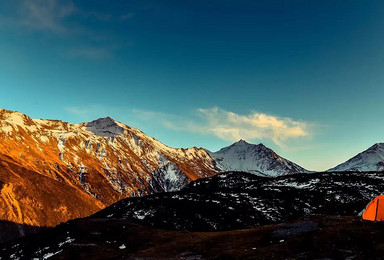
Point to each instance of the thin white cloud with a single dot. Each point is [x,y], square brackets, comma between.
[46,14]
[126,16]
[230,126]
[88,113]
[62,18]
[97,16]
[77,111]
[91,53]
[53,16]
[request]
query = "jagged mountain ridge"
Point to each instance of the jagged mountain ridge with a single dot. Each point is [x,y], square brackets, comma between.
[371,159]
[52,171]
[90,165]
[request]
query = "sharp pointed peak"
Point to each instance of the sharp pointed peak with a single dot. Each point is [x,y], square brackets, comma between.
[241,141]
[244,145]
[244,142]
[105,126]
[103,119]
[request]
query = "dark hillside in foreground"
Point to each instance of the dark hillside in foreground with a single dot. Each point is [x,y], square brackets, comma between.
[236,200]
[303,216]
[312,238]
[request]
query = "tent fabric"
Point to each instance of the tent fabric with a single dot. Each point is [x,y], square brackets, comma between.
[375,209]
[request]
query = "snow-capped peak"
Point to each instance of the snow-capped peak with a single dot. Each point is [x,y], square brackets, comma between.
[371,159]
[241,142]
[105,126]
[257,159]
[377,147]
[242,145]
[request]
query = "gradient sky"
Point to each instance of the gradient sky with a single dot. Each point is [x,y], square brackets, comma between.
[305,78]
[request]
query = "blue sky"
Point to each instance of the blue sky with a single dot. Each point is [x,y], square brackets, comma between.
[303,77]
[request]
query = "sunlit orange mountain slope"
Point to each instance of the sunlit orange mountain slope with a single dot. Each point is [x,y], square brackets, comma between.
[52,171]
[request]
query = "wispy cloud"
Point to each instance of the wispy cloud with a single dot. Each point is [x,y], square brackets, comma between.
[89,112]
[62,18]
[230,126]
[97,16]
[126,16]
[91,53]
[78,111]
[46,14]
[53,15]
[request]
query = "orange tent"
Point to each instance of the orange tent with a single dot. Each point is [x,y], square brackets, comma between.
[375,209]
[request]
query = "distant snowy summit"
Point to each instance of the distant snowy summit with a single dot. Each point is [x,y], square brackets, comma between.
[371,159]
[257,159]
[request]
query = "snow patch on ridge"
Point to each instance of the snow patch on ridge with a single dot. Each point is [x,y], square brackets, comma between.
[168,176]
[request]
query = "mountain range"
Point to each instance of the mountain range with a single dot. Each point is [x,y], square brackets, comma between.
[105,176]
[53,171]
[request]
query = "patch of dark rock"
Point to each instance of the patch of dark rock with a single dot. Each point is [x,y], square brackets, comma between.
[294,229]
